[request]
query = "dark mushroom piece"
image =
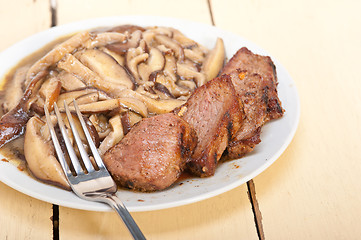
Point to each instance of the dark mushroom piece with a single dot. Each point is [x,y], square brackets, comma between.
[12,124]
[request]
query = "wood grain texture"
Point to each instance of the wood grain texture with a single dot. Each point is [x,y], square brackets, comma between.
[22,18]
[227,216]
[23,217]
[313,190]
[70,11]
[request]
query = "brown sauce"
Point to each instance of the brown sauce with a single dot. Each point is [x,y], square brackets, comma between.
[13,151]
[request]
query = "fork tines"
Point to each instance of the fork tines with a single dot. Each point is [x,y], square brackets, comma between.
[74,159]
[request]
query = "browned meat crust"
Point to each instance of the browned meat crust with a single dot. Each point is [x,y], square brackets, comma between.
[214,111]
[255,93]
[153,154]
[244,59]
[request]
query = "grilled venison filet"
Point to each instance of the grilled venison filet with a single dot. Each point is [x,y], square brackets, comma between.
[225,113]
[214,111]
[153,153]
[255,80]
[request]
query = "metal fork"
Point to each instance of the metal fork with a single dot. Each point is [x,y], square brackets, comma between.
[93,184]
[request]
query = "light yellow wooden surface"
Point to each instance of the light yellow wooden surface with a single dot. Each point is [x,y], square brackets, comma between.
[312,191]
[23,217]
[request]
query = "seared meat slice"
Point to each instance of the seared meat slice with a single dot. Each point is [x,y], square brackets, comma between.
[214,111]
[244,59]
[254,92]
[153,154]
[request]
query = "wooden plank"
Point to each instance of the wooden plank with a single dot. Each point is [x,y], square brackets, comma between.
[22,18]
[70,11]
[23,217]
[313,190]
[227,216]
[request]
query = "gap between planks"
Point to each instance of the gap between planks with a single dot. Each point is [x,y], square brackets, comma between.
[255,208]
[55,217]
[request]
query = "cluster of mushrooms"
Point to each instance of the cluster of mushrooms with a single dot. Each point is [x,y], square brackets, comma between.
[117,76]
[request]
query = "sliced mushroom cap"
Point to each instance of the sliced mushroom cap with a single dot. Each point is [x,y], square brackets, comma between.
[50,91]
[97,107]
[57,53]
[70,82]
[114,136]
[170,43]
[134,57]
[154,63]
[72,65]
[126,28]
[105,38]
[187,72]
[132,42]
[214,60]
[153,105]
[134,105]
[40,155]
[106,67]
[172,87]
[14,91]
[68,97]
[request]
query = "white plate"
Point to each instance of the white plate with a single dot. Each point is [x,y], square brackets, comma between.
[276,135]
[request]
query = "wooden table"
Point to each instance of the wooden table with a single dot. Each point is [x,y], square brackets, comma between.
[313,191]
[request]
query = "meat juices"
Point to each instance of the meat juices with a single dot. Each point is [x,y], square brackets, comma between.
[255,80]
[214,111]
[153,154]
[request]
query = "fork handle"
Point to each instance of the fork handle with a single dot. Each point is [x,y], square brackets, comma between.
[122,211]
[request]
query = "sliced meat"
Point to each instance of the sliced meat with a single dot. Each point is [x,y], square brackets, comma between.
[244,59]
[214,111]
[153,154]
[254,92]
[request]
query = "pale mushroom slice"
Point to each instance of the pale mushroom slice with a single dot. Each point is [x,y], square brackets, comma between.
[171,86]
[117,57]
[14,90]
[70,82]
[101,124]
[161,30]
[105,38]
[195,56]
[72,65]
[114,136]
[184,41]
[134,105]
[214,61]
[154,63]
[187,72]
[154,106]
[170,43]
[57,53]
[69,96]
[96,107]
[134,57]
[131,42]
[50,91]
[105,67]
[170,67]
[40,155]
